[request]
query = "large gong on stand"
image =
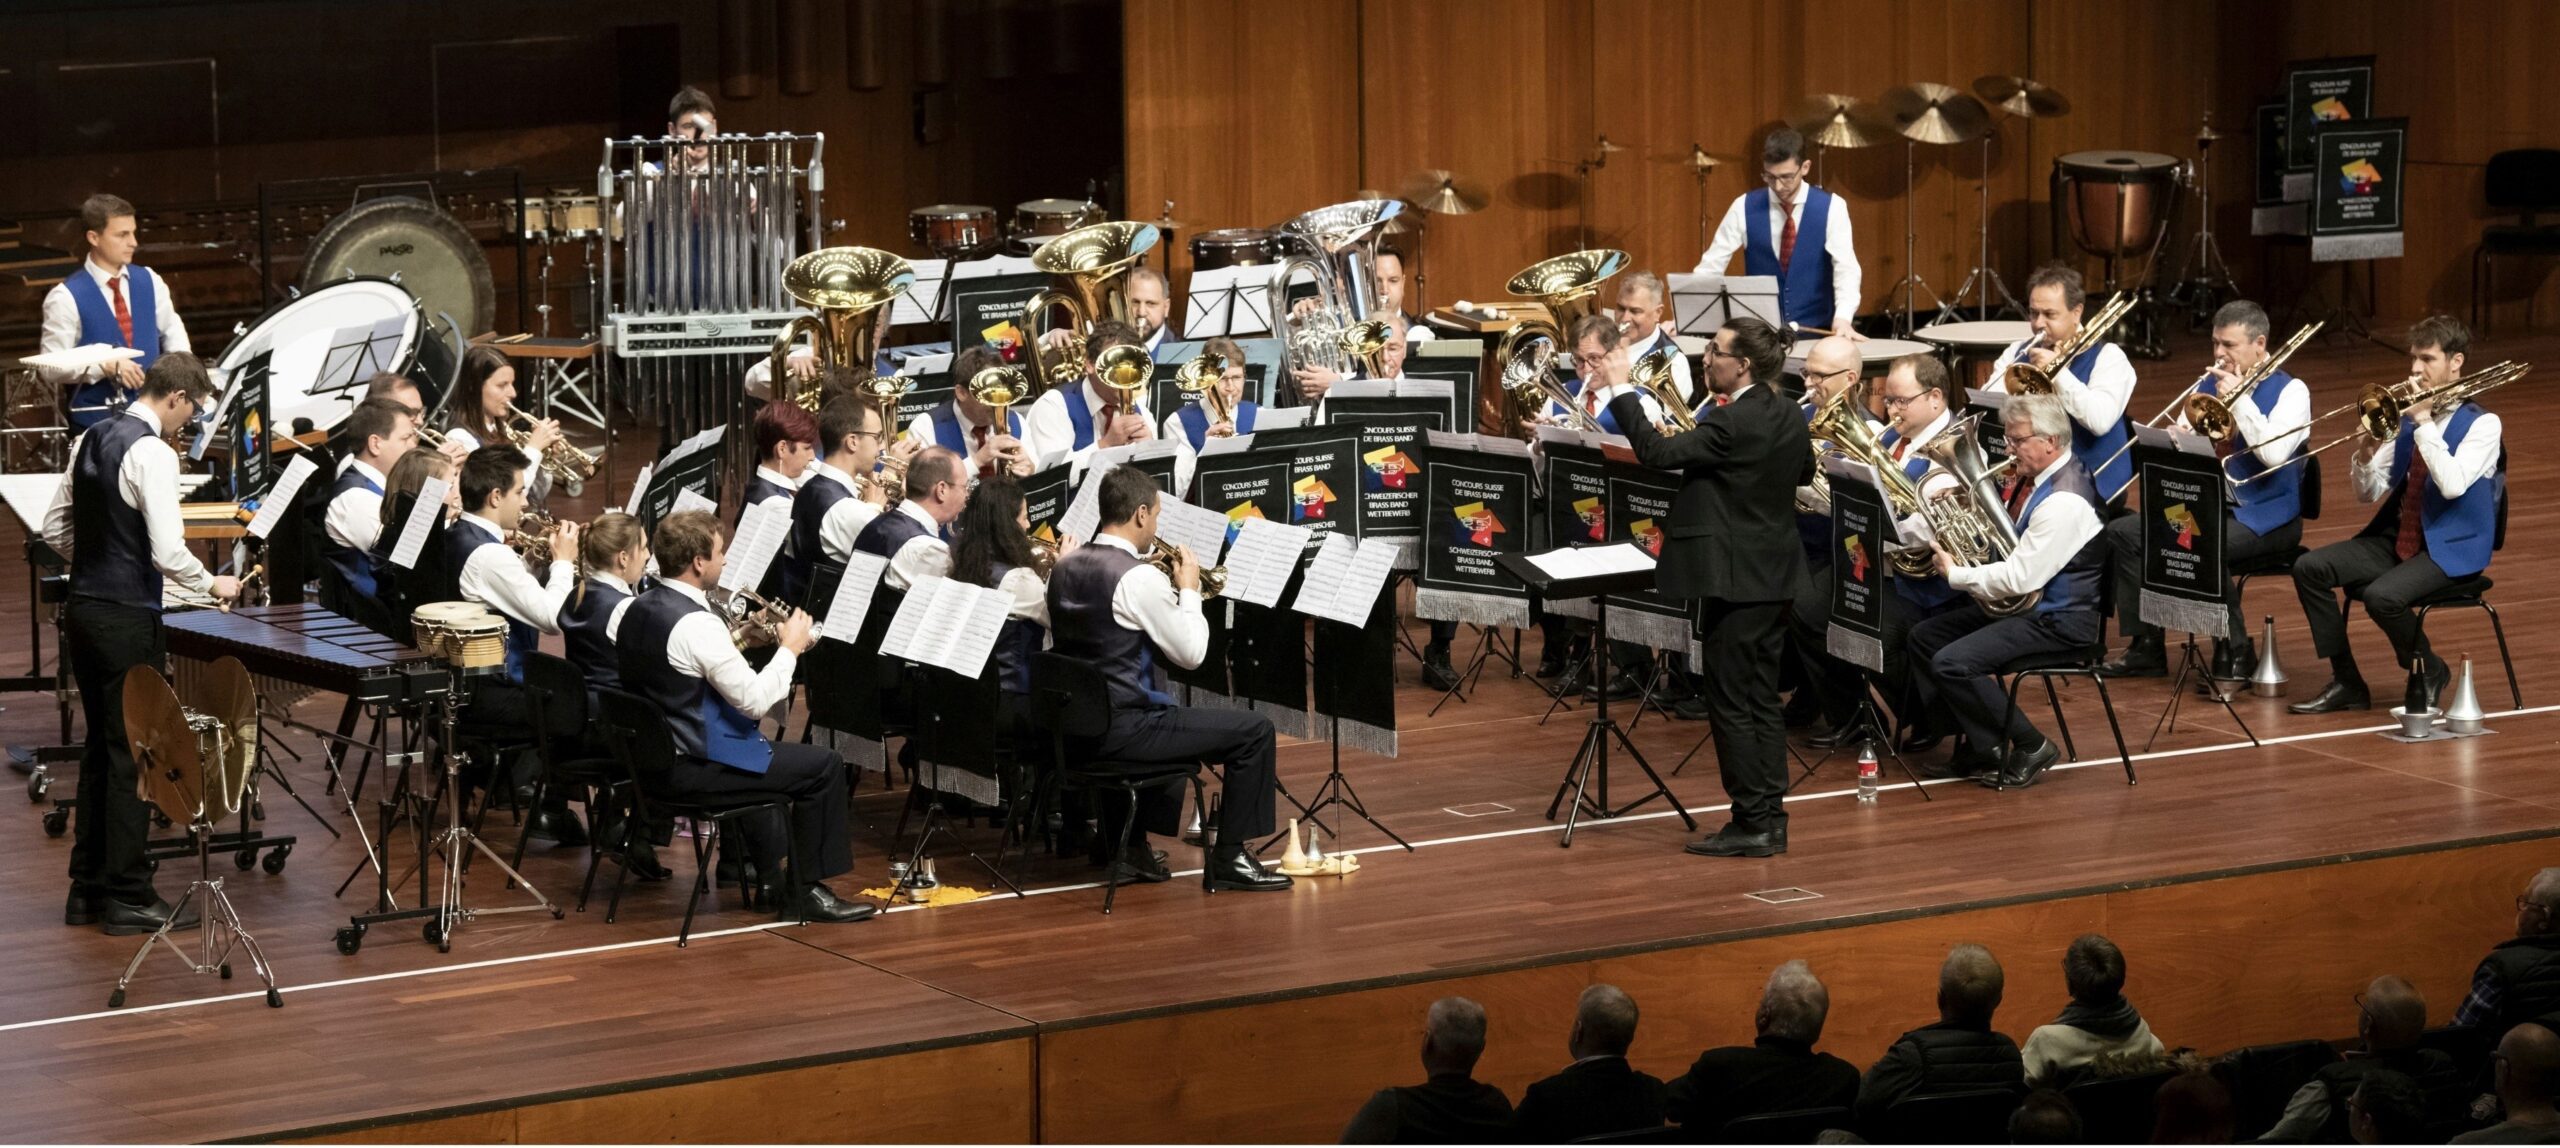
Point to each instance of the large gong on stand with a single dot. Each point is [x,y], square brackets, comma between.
[414,243]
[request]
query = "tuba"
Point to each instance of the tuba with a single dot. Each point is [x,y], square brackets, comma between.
[1089,270]
[1970,522]
[848,287]
[1201,377]
[1342,241]
[1569,286]
[2025,378]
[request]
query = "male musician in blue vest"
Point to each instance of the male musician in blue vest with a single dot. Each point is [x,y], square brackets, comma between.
[786,443]
[1797,232]
[1112,609]
[118,521]
[915,536]
[1193,426]
[2060,554]
[676,652]
[2453,457]
[1600,376]
[1076,421]
[1642,308]
[838,494]
[967,427]
[2094,386]
[109,300]
[488,571]
[2269,424]
[377,432]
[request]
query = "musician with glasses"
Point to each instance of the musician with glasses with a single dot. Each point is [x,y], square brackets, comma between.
[1642,314]
[1191,424]
[967,427]
[2094,386]
[117,521]
[1787,216]
[114,301]
[2453,456]
[1831,368]
[2265,514]
[1601,370]
[1076,421]
[833,505]
[2060,556]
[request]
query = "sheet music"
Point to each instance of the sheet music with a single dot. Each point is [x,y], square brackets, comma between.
[910,617]
[272,507]
[1083,514]
[1227,301]
[32,496]
[852,603]
[761,531]
[691,499]
[422,518]
[639,488]
[992,266]
[925,364]
[1591,561]
[1202,532]
[1280,418]
[1700,304]
[1346,578]
[81,358]
[1260,561]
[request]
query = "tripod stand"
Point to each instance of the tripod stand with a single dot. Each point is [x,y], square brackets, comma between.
[1983,272]
[1332,649]
[221,930]
[2191,664]
[2205,280]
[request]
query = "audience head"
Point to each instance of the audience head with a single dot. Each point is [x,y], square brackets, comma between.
[2527,1067]
[2193,1107]
[2391,1015]
[2046,1116]
[2387,1108]
[2538,909]
[1453,1031]
[1604,1023]
[937,484]
[1838,1136]
[1969,986]
[2093,969]
[1794,1005]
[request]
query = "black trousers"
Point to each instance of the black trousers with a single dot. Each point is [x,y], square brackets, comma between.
[1442,633]
[818,838]
[2240,544]
[1835,683]
[1740,646]
[2370,568]
[113,824]
[1964,649]
[1240,741]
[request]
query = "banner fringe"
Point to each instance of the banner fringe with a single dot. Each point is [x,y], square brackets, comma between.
[1469,608]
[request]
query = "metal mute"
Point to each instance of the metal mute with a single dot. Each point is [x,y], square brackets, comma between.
[2267,681]
[2463,714]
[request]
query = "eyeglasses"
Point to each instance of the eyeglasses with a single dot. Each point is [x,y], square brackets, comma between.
[2013,441]
[1897,402]
[2526,904]
[1778,177]
[1716,352]
[1819,376]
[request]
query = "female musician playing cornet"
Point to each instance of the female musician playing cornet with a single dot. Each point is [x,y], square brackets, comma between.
[482,410]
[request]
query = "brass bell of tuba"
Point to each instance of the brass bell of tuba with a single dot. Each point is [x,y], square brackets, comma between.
[848,288]
[1569,287]
[1089,270]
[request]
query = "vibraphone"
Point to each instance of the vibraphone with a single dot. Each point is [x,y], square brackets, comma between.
[297,650]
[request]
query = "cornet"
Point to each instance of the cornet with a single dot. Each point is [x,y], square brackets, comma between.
[1168,557]
[569,467]
[1204,377]
[754,620]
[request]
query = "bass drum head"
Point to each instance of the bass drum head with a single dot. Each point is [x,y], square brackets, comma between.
[298,334]
[432,255]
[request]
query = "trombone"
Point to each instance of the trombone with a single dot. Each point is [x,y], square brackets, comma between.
[2025,378]
[2210,415]
[2380,406]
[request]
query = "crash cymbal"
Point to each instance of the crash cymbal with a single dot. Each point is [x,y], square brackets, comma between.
[1936,114]
[1834,120]
[2021,97]
[1443,193]
[1697,159]
[1405,221]
[1607,148]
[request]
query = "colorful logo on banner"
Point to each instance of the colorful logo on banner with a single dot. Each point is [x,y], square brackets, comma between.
[1005,338]
[1309,498]
[1594,516]
[1646,535]
[1389,467]
[2360,178]
[2183,521]
[1477,524]
[1237,515]
[2330,109]
[1045,532]
[1857,552]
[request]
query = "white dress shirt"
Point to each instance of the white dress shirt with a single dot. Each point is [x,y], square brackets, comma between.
[495,576]
[700,647]
[61,329]
[1914,529]
[1735,230]
[2061,525]
[844,520]
[613,621]
[1048,431]
[2097,402]
[2452,471]
[355,516]
[148,481]
[2292,413]
[1146,601]
[1685,387]
[1030,595]
[921,558]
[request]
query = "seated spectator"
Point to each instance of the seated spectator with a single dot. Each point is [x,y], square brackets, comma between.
[2387,1108]
[1960,1053]
[1838,1136]
[2046,1117]
[2390,1017]
[1778,1071]
[2193,1107]
[1448,1108]
[1600,1092]
[2526,1069]
[2519,980]
[2099,1033]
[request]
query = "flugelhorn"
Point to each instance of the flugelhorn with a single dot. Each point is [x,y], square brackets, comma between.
[1366,343]
[1168,557]
[2025,378]
[532,537]
[1203,376]
[569,467]
[1001,388]
[2379,408]
[847,287]
[753,619]
[1842,423]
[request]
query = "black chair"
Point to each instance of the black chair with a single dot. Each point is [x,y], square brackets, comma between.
[556,694]
[2469,1047]
[1800,1126]
[1070,699]
[2524,181]
[1658,1134]
[2472,594]
[1978,1117]
[2117,1109]
[2081,663]
[638,734]
[2263,1077]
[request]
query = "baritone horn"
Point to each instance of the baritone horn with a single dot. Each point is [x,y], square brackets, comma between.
[2025,378]
[1652,371]
[850,289]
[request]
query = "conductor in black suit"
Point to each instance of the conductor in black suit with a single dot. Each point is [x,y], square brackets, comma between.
[1732,545]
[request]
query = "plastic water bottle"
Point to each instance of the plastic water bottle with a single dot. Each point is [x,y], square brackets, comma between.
[1868,772]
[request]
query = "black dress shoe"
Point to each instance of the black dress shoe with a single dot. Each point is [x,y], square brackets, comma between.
[1235,871]
[559,826]
[2439,675]
[2339,696]
[1550,663]
[1920,741]
[81,909]
[2234,661]
[1836,736]
[819,905]
[1437,673]
[2025,765]
[1621,686]
[1802,710]
[642,861]
[1570,682]
[2144,658]
[1734,841]
[1692,708]
[124,919]
[1143,866]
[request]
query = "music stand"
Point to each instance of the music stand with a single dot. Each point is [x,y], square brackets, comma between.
[1227,301]
[1702,304]
[1591,759]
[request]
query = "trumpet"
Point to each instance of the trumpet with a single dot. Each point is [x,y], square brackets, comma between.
[2210,415]
[532,537]
[569,467]
[1204,377]
[2379,408]
[754,620]
[1653,372]
[1168,557]
[2025,378]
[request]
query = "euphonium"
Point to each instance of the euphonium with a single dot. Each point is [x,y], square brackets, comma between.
[1652,371]
[2025,378]
[1531,382]
[1569,286]
[1089,270]
[1843,425]
[1336,246]
[1970,523]
[1203,376]
[569,467]
[847,287]
[1167,556]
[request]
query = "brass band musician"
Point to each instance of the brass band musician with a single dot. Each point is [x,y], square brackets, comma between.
[2094,386]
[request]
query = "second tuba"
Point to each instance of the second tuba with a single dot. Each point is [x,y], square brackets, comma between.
[1337,246]
[1569,286]
[1089,271]
[848,288]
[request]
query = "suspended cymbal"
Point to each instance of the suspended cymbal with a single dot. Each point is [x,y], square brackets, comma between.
[1443,193]
[1696,159]
[2021,97]
[1936,113]
[1606,148]
[1834,120]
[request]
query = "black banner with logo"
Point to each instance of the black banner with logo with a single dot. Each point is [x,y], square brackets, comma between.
[1477,503]
[1392,433]
[1858,529]
[1045,496]
[2356,190]
[989,310]
[1576,512]
[2183,519]
[1640,512]
[2320,92]
[1355,680]
[1322,490]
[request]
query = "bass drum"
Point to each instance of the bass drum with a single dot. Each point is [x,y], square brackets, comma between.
[296,337]
[415,243]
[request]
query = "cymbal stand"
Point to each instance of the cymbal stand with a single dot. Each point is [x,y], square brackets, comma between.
[1911,282]
[221,931]
[2206,280]
[1983,272]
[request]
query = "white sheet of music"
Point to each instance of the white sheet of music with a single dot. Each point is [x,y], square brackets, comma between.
[1345,579]
[1227,301]
[691,499]
[639,488]
[964,646]
[993,265]
[1260,561]
[272,507]
[422,518]
[852,603]
[901,633]
[1202,532]
[761,532]
[1084,514]
[1592,561]
[32,496]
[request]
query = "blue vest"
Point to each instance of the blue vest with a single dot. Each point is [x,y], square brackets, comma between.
[2076,586]
[111,555]
[2460,532]
[1078,417]
[1082,622]
[954,437]
[354,567]
[1195,421]
[2272,501]
[583,619]
[1015,644]
[705,725]
[887,534]
[1607,421]
[98,325]
[1804,291]
[1932,591]
[2092,449]
[460,543]
[808,523]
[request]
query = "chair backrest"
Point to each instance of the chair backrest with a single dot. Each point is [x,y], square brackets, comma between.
[2117,1110]
[2262,1077]
[2498,538]
[2524,180]
[1797,1127]
[956,721]
[2311,488]
[825,575]
[557,690]
[1069,697]
[1978,1117]
[639,736]
[2468,1046]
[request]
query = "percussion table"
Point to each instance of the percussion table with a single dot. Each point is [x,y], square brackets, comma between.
[1980,340]
[1874,355]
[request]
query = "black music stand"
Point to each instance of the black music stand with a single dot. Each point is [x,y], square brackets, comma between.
[1329,678]
[1591,759]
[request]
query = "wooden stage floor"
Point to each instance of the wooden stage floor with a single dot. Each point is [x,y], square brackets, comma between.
[529,1011]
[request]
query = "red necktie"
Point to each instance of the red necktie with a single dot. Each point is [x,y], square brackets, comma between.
[978,446]
[2413,500]
[124,315]
[1722,399]
[1591,401]
[2019,489]
[1900,448]
[1787,238]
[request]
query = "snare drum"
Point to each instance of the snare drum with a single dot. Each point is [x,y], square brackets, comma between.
[954,230]
[1231,247]
[2116,203]
[577,216]
[1040,220]
[537,219]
